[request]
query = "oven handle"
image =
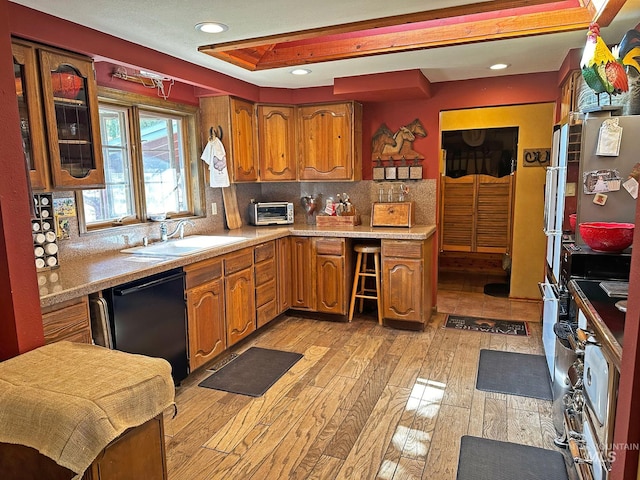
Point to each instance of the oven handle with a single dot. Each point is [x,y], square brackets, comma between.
[554,289]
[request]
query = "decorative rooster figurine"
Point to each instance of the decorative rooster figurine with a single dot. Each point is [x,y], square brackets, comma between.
[600,69]
[629,50]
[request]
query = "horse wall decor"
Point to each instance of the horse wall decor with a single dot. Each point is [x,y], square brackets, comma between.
[386,145]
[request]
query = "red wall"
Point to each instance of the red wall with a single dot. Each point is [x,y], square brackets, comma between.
[20,318]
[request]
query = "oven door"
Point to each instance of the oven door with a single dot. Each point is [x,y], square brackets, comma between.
[550,315]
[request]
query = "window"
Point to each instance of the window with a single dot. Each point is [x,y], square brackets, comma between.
[147,150]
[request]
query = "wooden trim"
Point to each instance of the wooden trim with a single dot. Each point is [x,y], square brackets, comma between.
[371,37]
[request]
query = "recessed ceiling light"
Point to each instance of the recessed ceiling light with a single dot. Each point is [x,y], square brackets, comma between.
[211,27]
[499,66]
[301,71]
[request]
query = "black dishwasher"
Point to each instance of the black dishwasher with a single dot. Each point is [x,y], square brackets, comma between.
[148,317]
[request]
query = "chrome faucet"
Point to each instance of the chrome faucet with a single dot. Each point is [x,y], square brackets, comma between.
[179,230]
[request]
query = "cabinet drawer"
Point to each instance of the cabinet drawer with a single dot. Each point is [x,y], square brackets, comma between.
[69,322]
[265,293]
[402,248]
[235,262]
[266,313]
[265,271]
[264,252]
[203,272]
[330,246]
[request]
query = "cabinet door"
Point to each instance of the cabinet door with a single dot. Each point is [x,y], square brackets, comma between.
[330,284]
[402,280]
[245,162]
[67,321]
[302,273]
[25,69]
[326,142]
[276,143]
[284,277]
[71,113]
[205,310]
[240,305]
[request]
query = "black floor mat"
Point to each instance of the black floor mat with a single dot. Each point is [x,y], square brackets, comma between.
[253,372]
[489,325]
[497,289]
[485,459]
[514,374]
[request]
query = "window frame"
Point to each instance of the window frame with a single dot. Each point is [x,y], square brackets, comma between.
[134,104]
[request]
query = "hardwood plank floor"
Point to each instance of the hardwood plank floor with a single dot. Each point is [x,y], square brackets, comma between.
[365,402]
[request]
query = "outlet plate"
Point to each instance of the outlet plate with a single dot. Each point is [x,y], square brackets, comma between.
[214,209]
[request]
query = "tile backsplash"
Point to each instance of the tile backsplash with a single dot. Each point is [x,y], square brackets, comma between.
[362,195]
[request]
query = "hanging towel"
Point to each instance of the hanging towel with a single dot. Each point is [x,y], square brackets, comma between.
[215,156]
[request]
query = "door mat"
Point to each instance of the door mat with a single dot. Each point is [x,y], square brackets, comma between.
[253,372]
[485,459]
[489,325]
[512,373]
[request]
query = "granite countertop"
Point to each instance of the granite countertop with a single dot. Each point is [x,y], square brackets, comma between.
[83,276]
[605,320]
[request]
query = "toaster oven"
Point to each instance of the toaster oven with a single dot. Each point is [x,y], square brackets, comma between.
[270,213]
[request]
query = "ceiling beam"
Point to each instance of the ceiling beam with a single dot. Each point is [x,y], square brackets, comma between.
[472,23]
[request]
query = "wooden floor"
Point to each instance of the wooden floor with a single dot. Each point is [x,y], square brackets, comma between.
[365,402]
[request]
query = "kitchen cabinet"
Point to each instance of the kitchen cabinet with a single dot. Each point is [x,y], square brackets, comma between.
[205,311]
[240,302]
[333,276]
[302,273]
[277,142]
[284,278]
[406,286]
[266,284]
[234,119]
[330,141]
[57,99]
[138,453]
[25,69]
[68,320]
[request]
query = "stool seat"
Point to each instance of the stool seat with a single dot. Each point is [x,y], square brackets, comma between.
[360,290]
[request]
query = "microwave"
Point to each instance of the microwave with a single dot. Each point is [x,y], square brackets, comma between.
[270,213]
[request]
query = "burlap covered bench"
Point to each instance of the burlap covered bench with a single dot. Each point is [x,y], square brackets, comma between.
[69,401]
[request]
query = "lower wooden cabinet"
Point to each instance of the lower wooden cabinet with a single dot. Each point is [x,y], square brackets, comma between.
[406,286]
[302,273]
[266,283]
[67,321]
[333,262]
[205,311]
[284,282]
[137,453]
[240,301]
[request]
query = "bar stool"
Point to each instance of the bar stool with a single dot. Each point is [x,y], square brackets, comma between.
[360,290]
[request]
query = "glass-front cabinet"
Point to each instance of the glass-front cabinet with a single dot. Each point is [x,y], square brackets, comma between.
[59,120]
[25,69]
[71,113]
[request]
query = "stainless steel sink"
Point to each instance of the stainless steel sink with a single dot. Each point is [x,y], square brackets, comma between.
[184,246]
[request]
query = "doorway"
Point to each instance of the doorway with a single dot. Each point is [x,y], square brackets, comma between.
[476,201]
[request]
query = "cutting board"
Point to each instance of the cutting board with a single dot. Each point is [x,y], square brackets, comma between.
[231,212]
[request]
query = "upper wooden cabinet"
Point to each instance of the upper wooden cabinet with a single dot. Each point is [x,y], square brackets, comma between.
[330,142]
[57,100]
[273,143]
[236,120]
[277,142]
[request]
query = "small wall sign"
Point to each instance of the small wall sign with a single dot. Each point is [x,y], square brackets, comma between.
[537,157]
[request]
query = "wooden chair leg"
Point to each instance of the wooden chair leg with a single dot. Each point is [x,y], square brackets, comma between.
[363,279]
[354,290]
[376,261]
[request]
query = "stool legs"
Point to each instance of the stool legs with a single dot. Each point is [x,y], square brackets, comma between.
[354,290]
[360,290]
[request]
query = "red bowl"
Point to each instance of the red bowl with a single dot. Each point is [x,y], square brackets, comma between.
[66,85]
[572,222]
[607,236]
